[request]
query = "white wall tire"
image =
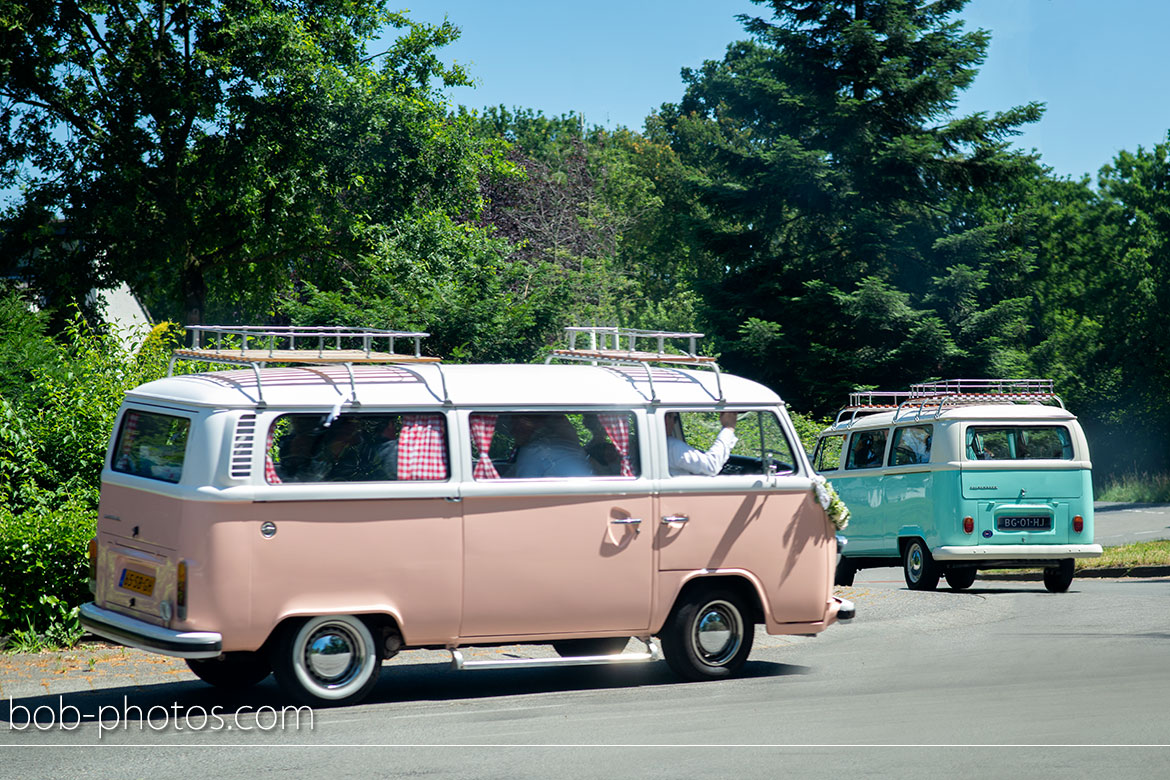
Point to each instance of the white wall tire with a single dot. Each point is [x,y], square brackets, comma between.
[328,660]
[709,634]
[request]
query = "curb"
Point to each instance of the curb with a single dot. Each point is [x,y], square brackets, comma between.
[1115,572]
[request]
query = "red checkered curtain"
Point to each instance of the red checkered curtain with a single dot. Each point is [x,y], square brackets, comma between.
[483,427]
[617,428]
[126,444]
[269,467]
[422,452]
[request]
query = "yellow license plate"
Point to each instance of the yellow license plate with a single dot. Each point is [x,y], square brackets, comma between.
[139,583]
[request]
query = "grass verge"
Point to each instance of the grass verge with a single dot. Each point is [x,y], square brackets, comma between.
[1138,488]
[1127,556]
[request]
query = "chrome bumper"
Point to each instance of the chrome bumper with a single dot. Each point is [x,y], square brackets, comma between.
[145,636]
[1015,552]
[845,609]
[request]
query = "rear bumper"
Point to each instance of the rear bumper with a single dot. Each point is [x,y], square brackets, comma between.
[146,636]
[845,609]
[1015,552]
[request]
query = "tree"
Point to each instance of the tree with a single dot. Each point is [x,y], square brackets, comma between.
[832,185]
[213,150]
[1101,300]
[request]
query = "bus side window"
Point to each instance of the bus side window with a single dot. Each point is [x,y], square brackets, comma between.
[828,453]
[866,449]
[911,445]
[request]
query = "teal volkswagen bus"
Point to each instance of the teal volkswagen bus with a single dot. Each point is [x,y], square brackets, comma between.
[961,475]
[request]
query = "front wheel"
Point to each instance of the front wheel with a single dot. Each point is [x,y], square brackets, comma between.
[919,567]
[708,635]
[960,578]
[232,671]
[1059,579]
[327,660]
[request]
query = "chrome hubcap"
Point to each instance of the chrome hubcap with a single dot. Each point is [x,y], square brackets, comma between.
[333,655]
[718,633]
[915,561]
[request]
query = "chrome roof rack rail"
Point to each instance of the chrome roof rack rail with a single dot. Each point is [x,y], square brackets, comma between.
[254,346]
[926,397]
[619,346]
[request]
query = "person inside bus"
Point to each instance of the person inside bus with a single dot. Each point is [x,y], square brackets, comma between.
[547,446]
[685,459]
[604,458]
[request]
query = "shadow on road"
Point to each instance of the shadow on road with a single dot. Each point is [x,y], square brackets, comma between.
[405,683]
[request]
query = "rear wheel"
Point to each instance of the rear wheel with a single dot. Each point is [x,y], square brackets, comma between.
[575,648]
[918,566]
[961,578]
[327,660]
[1059,579]
[232,671]
[708,635]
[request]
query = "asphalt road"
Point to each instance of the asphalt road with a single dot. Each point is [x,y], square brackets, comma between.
[1002,680]
[1128,523]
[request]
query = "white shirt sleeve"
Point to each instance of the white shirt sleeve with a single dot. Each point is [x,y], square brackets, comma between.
[685,459]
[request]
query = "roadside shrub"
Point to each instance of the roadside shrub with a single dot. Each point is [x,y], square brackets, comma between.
[60,396]
[1140,488]
[807,428]
[44,571]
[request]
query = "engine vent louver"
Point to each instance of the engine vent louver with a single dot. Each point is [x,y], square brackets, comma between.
[242,446]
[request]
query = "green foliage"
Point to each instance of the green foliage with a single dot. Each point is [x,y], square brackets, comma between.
[215,150]
[807,427]
[1141,487]
[54,426]
[838,198]
[44,570]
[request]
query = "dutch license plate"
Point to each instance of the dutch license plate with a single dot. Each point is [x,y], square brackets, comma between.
[139,583]
[1025,523]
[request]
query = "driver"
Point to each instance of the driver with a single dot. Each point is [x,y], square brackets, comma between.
[685,459]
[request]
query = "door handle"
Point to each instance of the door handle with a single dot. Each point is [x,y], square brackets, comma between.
[674,519]
[636,522]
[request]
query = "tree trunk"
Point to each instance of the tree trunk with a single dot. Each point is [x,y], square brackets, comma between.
[194,292]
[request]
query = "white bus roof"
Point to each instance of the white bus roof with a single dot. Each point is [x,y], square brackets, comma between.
[1007,412]
[494,385]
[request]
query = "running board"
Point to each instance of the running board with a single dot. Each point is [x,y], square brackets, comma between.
[652,654]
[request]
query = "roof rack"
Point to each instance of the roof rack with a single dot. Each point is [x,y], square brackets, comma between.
[926,397]
[254,346]
[606,347]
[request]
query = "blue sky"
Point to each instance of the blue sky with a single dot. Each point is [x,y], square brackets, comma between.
[1101,67]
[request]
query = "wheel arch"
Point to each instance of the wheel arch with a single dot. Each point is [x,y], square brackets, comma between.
[742,582]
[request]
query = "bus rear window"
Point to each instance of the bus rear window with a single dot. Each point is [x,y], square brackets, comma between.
[151,445]
[1050,442]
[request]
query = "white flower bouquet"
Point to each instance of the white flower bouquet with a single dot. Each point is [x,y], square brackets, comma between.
[832,504]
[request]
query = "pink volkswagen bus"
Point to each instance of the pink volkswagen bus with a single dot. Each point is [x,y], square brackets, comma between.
[313,520]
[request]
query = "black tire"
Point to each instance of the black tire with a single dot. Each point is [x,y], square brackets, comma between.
[708,635]
[232,671]
[575,648]
[846,569]
[961,578]
[326,661]
[1059,578]
[918,566]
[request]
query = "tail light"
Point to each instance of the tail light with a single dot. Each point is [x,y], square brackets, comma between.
[93,555]
[968,524]
[181,590]
[1078,524]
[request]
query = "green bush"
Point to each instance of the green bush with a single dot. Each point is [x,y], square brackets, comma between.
[44,571]
[58,400]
